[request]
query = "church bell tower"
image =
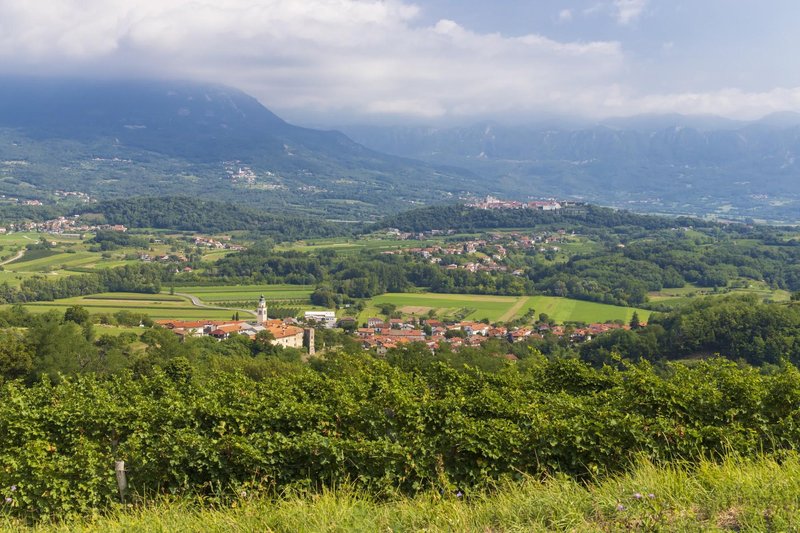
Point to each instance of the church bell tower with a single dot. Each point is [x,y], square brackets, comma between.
[261,312]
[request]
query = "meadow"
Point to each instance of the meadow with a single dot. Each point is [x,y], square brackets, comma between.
[501,308]
[347,246]
[761,494]
[234,293]
[68,255]
[156,306]
[677,297]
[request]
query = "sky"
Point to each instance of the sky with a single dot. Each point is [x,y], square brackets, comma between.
[430,61]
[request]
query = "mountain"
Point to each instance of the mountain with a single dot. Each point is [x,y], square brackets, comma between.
[660,163]
[120,138]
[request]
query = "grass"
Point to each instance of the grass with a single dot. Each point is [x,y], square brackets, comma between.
[350,246]
[156,306]
[491,307]
[569,310]
[47,260]
[229,293]
[502,308]
[735,495]
[684,295]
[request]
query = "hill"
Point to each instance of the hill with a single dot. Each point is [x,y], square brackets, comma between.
[118,138]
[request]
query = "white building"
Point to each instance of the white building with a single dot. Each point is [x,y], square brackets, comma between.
[327,318]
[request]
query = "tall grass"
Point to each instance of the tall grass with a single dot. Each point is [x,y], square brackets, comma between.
[735,495]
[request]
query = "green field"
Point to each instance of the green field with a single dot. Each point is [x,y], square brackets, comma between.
[684,295]
[33,262]
[156,306]
[569,310]
[501,308]
[66,257]
[350,246]
[233,293]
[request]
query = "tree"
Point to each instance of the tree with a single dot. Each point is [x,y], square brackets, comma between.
[16,359]
[77,314]
[60,349]
[387,308]
[635,323]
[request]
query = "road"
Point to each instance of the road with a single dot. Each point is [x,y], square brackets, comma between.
[512,312]
[197,303]
[19,255]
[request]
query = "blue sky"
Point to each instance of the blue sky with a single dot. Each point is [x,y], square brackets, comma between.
[431,61]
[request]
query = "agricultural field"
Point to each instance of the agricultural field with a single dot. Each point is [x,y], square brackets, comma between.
[350,246]
[67,255]
[156,306]
[684,295]
[500,308]
[569,310]
[236,293]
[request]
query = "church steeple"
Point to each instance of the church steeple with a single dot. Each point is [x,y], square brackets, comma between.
[262,310]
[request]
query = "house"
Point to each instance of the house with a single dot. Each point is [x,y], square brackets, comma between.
[374,322]
[326,318]
[286,335]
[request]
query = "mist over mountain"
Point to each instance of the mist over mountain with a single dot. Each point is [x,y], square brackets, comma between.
[118,138]
[661,163]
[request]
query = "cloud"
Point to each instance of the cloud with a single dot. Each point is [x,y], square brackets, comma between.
[348,59]
[345,56]
[565,15]
[628,11]
[729,102]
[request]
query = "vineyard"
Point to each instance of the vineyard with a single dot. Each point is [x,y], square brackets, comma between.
[407,424]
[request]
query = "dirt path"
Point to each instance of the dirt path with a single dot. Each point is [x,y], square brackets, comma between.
[197,303]
[508,315]
[11,259]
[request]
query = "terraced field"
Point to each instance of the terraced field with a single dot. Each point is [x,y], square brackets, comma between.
[501,308]
[235,293]
[351,246]
[157,306]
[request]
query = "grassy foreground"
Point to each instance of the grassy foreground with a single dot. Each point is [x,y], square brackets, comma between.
[736,495]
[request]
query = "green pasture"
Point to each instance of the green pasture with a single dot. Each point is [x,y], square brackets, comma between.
[157,306]
[215,255]
[570,310]
[350,246]
[445,305]
[14,278]
[501,308]
[32,262]
[232,293]
[136,296]
[680,296]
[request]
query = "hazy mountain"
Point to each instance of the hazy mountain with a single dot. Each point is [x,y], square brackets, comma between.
[116,138]
[667,163]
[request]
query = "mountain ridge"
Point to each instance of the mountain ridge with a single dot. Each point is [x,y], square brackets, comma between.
[668,164]
[120,137]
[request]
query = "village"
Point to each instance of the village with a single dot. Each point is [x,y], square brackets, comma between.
[489,253]
[66,226]
[381,334]
[490,202]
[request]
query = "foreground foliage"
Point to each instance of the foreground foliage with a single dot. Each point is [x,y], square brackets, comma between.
[408,424]
[736,495]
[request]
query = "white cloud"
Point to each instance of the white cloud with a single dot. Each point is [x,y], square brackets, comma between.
[356,56]
[565,15]
[362,59]
[628,11]
[729,102]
